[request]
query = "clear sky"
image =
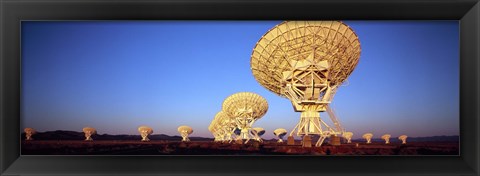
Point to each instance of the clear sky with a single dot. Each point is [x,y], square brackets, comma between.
[118,75]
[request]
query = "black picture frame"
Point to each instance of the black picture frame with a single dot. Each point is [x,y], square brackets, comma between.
[14,11]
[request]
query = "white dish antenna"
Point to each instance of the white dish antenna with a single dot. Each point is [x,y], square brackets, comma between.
[368,137]
[403,138]
[184,132]
[280,132]
[28,133]
[144,132]
[89,131]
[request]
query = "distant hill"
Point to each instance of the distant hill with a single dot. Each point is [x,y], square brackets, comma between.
[73,135]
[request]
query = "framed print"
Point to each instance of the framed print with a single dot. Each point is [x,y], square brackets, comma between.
[220,87]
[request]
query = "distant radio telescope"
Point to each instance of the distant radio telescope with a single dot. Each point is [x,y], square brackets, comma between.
[386,137]
[368,137]
[348,136]
[144,132]
[245,108]
[306,62]
[403,138]
[280,132]
[89,131]
[28,133]
[216,128]
[257,133]
[228,126]
[184,132]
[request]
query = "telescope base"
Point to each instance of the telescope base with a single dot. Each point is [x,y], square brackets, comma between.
[307,141]
[290,140]
[334,140]
[239,141]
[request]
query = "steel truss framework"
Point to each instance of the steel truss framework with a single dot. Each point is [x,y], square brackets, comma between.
[306,61]
[245,108]
[216,127]
[223,127]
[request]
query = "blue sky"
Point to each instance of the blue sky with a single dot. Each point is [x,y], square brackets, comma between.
[118,75]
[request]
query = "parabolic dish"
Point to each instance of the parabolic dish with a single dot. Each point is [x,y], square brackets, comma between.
[145,128]
[185,128]
[258,130]
[86,129]
[245,103]
[29,130]
[347,134]
[280,131]
[278,50]
[220,115]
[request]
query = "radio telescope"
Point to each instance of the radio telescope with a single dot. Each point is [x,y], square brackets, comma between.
[245,108]
[227,126]
[348,136]
[386,137]
[216,129]
[280,132]
[368,137]
[257,133]
[89,131]
[306,62]
[28,133]
[403,138]
[144,132]
[184,132]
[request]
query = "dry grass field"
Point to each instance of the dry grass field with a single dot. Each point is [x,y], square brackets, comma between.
[163,147]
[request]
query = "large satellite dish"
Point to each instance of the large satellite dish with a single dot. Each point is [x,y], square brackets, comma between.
[222,127]
[306,61]
[227,125]
[245,108]
[216,127]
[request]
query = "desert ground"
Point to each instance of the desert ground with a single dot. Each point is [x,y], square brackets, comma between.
[164,147]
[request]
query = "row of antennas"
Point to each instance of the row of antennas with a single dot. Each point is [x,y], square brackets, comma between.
[239,112]
[257,132]
[144,131]
[368,137]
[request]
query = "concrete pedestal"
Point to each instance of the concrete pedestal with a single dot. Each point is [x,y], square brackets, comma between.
[239,141]
[334,140]
[290,140]
[307,141]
